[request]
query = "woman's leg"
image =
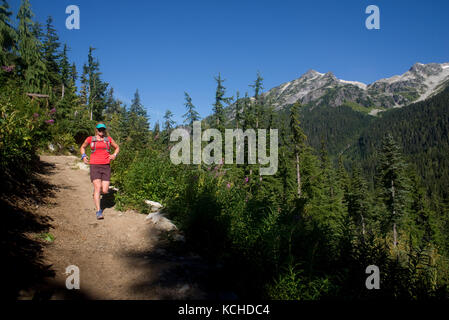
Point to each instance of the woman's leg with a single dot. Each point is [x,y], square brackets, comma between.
[106,177]
[105,187]
[97,189]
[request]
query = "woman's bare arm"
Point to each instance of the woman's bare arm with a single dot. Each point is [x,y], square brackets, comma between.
[83,151]
[117,149]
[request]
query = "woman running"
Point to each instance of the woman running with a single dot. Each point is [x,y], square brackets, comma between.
[100,158]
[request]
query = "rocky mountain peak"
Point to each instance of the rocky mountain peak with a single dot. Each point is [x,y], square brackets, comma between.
[310,74]
[330,75]
[418,83]
[430,69]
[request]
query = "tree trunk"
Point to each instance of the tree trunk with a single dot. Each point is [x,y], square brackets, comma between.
[363,224]
[63,91]
[298,175]
[395,235]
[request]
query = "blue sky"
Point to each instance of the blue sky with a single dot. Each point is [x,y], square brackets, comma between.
[164,48]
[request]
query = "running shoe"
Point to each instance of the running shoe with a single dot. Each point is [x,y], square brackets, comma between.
[100,215]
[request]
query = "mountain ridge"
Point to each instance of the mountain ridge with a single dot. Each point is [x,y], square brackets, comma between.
[418,83]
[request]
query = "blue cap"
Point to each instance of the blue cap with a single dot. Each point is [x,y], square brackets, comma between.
[101,126]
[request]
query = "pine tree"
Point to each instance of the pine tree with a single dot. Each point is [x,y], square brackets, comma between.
[191,115]
[284,164]
[84,85]
[168,126]
[38,33]
[422,221]
[32,67]
[157,129]
[7,34]
[112,105]
[393,184]
[258,99]
[168,121]
[123,127]
[138,114]
[138,121]
[357,199]
[50,47]
[73,74]
[69,104]
[96,87]
[249,120]
[299,140]
[238,111]
[65,70]
[218,107]
[117,118]
[136,106]
[270,115]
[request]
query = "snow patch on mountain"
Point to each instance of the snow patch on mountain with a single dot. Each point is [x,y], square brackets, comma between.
[361,85]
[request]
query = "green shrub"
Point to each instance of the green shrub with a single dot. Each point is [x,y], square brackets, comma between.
[64,143]
[21,129]
[292,285]
[148,176]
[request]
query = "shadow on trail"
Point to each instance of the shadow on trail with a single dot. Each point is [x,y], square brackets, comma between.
[22,233]
[21,255]
[175,273]
[107,201]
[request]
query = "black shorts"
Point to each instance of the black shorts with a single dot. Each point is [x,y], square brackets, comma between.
[100,171]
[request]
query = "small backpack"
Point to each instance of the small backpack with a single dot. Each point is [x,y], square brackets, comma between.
[93,144]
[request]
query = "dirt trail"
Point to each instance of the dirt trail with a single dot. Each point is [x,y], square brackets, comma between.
[120,257]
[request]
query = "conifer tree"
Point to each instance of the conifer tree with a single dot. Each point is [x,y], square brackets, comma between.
[73,74]
[191,115]
[117,118]
[168,126]
[156,129]
[84,85]
[238,111]
[112,106]
[357,199]
[218,106]
[138,121]
[65,70]
[96,87]
[50,47]
[7,34]
[168,121]
[258,86]
[258,99]
[64,65]
[299,139]
[270,115]
[38,33]
[68,106]
[123,127]
[32,67]
[136,106]
[393,184]
[285,164]
[249,121]
[422,221]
